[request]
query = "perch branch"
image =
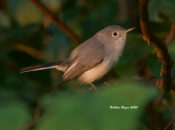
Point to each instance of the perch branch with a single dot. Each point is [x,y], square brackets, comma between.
[162,51]
[56,21]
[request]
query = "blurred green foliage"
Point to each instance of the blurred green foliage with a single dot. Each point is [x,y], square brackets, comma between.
[92,110]
[73,105]
[165,7]
[14,116]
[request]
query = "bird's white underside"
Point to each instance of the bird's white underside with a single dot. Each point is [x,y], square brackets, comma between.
[108,62]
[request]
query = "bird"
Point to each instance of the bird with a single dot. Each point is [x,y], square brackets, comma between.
[92,59]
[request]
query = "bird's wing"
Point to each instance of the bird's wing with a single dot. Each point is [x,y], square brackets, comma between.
[86,58]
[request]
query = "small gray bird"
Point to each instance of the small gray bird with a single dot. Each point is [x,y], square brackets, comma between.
[92,59]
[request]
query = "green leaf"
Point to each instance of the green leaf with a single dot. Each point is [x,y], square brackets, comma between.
[13,116]
[53,5]
[171,49]
[24,12]
[57,47]
[92,110]
[166,7]
[125,69]
[155,65]
[4,22]
[135,48]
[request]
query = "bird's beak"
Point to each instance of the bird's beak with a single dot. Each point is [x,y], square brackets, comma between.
[129,30]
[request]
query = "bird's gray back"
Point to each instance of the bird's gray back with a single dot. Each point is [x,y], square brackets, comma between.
[90,45]
[86,56]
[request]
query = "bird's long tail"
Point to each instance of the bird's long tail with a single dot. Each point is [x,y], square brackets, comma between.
[57,65]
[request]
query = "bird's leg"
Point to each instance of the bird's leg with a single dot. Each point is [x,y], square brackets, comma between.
[93,87]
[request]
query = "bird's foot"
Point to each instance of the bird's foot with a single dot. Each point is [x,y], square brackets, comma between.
[93,87]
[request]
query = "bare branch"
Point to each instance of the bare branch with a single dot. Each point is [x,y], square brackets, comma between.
[162,51]
[169,124]
[3,5]
[171,34]
[30,51]
[57,21]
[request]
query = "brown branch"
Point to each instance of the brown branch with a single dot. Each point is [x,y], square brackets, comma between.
[156,122]
[3,5]
[37,113]
[169,124]
[171,34]
[57,21]
[162,51]
[146,75]
[30,51]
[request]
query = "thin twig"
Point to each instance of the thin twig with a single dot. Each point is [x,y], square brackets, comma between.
[162,51]
[171,34]
[57,21]
[37,113]
[31,51]
[3,5]
[169,124]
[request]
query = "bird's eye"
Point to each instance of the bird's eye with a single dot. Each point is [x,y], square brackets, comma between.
[114,34]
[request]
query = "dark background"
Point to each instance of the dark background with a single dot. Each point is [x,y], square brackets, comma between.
[29,37]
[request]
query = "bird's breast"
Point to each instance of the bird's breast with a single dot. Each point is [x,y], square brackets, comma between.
[112,56]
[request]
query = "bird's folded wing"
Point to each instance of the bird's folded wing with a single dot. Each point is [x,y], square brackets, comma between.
[85,60]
